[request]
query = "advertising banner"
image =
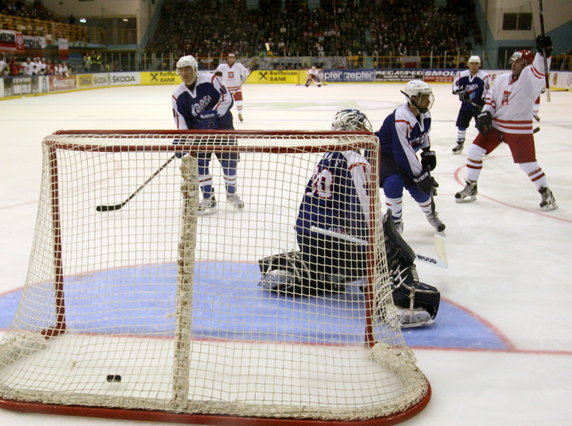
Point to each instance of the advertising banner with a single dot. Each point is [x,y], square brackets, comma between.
[63,49]
[84,81]
[160,77]
[58,82]
[15,86]
[349,76]
[273,77]
[124,78]
[11,41]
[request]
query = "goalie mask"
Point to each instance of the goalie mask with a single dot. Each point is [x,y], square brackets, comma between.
[419,95]
[351,120]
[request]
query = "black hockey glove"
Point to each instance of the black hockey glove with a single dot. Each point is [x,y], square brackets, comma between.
[463,95]
[207,120]
[544,45]
[425,182]
[484,122]
[428,159]
[218,73]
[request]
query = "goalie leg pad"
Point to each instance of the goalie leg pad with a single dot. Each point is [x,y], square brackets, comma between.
[417,295]
[288,274]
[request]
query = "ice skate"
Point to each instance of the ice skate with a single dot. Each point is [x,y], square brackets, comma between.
[435,222]
[240,117]
[459,148]
[235,201]
[548,202]
[207,206]
[468,194]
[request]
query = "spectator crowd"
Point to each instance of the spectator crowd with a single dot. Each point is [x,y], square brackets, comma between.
[343,27]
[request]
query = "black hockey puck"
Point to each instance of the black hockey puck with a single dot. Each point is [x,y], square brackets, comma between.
[113,378]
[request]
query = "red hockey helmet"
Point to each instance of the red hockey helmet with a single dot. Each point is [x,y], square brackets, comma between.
[527,55]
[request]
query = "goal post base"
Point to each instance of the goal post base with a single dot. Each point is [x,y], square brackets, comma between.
[182,418]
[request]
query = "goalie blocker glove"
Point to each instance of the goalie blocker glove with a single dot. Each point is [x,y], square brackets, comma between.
[484,122]
[428,159]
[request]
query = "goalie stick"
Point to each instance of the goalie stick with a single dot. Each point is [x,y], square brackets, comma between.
[107,208]
[441,263]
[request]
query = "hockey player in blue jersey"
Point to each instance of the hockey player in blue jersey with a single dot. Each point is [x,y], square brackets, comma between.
[403,133]
[471,85]
[202,102]
[333,219]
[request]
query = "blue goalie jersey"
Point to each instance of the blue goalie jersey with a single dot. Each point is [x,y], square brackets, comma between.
[335,198]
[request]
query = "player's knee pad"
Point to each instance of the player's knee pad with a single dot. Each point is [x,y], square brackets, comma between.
[475,152]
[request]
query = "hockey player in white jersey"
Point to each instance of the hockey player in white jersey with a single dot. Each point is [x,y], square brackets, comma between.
[233,75]
[507,117]
[314,76]
[202,102]
[471,85]
[335,212]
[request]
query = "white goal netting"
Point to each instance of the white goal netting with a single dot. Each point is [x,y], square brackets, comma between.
[148,305]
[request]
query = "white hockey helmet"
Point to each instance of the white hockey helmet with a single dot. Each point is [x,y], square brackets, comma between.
[414,91]
[474,60]
[351,119]
[187,61]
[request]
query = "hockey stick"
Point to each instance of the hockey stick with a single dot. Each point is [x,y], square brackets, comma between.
[420,257]
[113,207]
[547,78]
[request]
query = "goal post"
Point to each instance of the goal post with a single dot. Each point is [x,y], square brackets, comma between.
[153,312]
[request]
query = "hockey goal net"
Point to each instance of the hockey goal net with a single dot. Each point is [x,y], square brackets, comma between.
[149,311]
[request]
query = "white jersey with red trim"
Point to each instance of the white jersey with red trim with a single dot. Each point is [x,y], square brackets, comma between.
[511,102]
[233,76]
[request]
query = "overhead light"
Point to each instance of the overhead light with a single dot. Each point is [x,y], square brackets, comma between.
[82,20]
[125,20]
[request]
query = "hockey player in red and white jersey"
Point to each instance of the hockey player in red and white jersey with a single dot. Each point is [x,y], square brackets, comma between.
[507,117]
[233,75]
[313,75]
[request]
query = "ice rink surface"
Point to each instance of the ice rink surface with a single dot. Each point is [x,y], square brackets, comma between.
[508,260]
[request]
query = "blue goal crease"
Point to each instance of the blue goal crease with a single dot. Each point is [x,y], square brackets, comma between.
[140,301]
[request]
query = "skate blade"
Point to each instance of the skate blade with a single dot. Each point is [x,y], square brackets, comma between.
[207,212]
[465,200]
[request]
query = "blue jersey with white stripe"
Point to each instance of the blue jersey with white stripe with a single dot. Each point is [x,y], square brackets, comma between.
[335,198]
[207,93]
[476,86]
[401,135]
